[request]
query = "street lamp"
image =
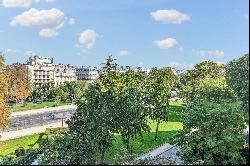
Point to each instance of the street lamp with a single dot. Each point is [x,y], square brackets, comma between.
[62,119]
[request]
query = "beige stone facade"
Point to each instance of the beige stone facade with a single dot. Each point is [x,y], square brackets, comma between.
[89,74]
[43,70]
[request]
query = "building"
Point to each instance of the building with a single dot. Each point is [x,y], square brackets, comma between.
[40,70]
[142,69]
[64,73]
[89,74]
[123,69]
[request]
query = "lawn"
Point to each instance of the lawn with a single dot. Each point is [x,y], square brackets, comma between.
[9,146]
[30,106]
[140,144]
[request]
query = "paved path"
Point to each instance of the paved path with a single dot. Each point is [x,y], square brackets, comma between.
[42,110]
[165,151]
[32,120]
[29,131]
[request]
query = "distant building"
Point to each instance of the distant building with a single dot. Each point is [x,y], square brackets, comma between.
[142,69]
[40,70]
[123,69]
[88,74]
[64,73]
[177,72]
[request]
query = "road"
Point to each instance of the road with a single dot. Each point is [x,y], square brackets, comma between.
[36,121]
[22,122]
[28,131]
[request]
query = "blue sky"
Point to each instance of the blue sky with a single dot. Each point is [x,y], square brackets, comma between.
[137,32]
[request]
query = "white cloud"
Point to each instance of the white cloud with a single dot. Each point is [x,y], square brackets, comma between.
[124,53]
[166,43]
[217,53]
[22,3]
[49,21]
[52,18]
[72,21]
[29,53]
[49,1]
[182,66]
[88,38]
[10,50]
[48,33]
[170,16]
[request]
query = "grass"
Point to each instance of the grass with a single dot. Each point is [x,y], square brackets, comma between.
[9,146]
[30,106]
[139,144]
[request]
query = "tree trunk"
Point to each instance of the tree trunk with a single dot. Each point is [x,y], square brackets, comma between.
[156,130]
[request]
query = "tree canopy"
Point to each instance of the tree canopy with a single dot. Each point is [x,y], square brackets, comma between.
[4,78]
[237,76]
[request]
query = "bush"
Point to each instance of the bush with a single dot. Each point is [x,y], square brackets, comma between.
[212,134]
[19,151]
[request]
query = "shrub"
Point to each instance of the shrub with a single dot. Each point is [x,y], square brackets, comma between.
[19,151]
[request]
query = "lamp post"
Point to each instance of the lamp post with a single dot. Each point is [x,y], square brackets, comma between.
[62,119]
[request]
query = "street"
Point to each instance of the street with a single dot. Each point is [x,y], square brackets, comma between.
[23,122]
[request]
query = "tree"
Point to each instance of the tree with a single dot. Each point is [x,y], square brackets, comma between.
[93,120]
[131,106]
[66,149]
[212,134]
[128,100]
[194,83]
[162,82]
[90,132]
[74,89]
[205,69]
[109,66]
[38,94]
[58,94]
[237,76]
[4,78]
[212,89]
[19,85]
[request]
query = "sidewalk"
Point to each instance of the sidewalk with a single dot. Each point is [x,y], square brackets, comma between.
[157,151]
[42,110]
[28,131]
[165,151]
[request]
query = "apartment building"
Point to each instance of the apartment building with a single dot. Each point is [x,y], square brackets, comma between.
[89,74]
[64,73]
[40,70]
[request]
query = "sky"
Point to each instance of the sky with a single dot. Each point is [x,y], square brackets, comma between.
[149,33]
